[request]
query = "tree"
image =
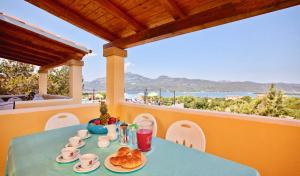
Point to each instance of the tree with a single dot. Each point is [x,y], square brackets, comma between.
[21,78]
[272,103]
[58,81]
[17,78]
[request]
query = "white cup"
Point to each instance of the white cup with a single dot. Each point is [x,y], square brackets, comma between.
[82,133]
[103,141]
[69,152]
[88,160]
[74,141]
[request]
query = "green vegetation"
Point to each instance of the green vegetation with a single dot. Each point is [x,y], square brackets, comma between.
[58,81]
[273,103]
[17,78]
[20,78]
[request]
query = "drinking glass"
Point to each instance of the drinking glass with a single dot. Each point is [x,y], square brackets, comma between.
[144,135]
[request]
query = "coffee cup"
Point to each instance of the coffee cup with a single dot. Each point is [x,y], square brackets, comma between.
[69,152]
[74,141]
[88,160]
[82,133]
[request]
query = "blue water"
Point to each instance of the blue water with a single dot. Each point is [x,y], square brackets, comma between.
[130,95]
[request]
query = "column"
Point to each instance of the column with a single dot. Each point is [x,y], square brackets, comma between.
[43,73]
[75,80]
[114,77]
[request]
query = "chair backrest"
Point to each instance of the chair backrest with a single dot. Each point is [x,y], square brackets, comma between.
[7,105]
[187,133]
[61,120]
[147,116]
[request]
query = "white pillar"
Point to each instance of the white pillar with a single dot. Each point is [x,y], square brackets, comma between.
[114,77]
[75,80]
[43,73]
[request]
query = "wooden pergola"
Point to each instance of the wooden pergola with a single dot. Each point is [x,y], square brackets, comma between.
[23,42]
[26,43]
[127,23]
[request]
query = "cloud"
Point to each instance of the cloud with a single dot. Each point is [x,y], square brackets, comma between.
[127,65]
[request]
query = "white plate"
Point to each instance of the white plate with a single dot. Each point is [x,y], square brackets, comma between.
[60,159]
[78,169]
[111,167]
[88,136]
[81,144]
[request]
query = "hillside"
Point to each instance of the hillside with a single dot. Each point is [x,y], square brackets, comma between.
[135,82]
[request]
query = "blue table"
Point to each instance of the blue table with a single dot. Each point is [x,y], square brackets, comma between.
[35,155]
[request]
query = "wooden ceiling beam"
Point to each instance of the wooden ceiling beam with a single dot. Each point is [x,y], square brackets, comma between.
[55,64]
[217,16]
[28,45]
[20,59]
[25,56]
[21,53]
[69,15]
[36,39]
[172,7]
[33,53]
[111,8]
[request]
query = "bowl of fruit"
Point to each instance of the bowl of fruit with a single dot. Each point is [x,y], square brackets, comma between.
[97,126]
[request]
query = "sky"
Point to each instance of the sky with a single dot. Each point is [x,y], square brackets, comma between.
[263,49]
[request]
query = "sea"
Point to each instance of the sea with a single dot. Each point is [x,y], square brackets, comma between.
[131,95]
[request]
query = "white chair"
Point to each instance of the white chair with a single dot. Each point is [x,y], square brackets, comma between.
[61,120]
[147,116]
[187,133]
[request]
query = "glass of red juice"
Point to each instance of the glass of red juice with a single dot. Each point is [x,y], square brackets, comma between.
[144,135]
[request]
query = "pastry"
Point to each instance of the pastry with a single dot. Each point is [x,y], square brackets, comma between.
[136,153]
[127,159]
[123,151]
[118,160]
[132,162]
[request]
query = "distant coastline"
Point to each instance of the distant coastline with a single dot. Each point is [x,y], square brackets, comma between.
[138,83]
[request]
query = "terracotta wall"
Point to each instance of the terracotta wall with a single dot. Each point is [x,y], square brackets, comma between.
[32,120]
[270,146]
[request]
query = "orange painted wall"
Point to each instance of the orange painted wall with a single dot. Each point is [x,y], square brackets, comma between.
[270,147]
[20,124]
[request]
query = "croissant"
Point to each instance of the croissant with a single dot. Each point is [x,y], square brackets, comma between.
[123,151]
[132,162]
[127,159]
[118,160]
[136,153]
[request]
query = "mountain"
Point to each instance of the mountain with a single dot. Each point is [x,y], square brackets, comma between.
[138,83]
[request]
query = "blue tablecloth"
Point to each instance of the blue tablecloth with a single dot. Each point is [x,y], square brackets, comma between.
[35,155]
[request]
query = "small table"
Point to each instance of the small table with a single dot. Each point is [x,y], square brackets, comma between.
[34,155]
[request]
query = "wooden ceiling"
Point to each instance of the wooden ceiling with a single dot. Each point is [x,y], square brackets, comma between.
[128,23]
[23,42]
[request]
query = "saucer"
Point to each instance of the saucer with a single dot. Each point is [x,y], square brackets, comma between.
[77,167]
[86,137]
[81,144]
[60,159]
